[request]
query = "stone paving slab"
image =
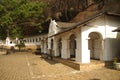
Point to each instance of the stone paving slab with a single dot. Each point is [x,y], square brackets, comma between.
[27,66]
[14,67]
[44,68]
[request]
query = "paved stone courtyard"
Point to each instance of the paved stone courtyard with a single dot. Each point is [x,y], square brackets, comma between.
[27,66]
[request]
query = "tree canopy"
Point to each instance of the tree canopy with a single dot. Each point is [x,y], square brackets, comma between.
[17,15]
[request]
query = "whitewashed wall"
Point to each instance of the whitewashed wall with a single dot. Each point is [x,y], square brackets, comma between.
[34,42]
[104,25]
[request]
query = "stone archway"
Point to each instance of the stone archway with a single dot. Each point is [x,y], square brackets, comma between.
[72,45]
[60,47]
[95,45]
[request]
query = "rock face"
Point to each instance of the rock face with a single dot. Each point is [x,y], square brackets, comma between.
[90,11]
[113,6]
[68,10]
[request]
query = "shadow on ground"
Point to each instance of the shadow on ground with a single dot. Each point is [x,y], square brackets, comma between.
[95,79]
[48,59]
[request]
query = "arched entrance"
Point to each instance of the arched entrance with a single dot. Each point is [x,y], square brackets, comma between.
[59,46]
[72,45]
[51,50]
[95,45]
[51,44]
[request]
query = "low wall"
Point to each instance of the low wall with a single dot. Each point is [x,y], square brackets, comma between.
[32,47]
[2,52]
[68,63]
[88,67]
[80,66]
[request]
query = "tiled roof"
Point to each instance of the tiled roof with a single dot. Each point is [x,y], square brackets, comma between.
[113,14]
[68,28]
[64,25]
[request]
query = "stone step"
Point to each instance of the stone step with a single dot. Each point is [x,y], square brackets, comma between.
[79,66]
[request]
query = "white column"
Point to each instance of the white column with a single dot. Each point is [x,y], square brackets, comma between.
[55,47]
[78,50]
[42,46]
[85,53]
[49,43]
[65,49]
[102,50]
[108,51]
[45,46]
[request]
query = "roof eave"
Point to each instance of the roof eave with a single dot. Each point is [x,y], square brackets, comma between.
[79,24]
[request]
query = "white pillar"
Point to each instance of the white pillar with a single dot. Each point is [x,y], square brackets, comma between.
[45,46]
[55,47]
[49,43]
[7,41]
[78,50]
[42,46]
[102,50]
[85,53]
[108,50]
[65,49]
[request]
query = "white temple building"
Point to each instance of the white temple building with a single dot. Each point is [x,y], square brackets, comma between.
[92,38]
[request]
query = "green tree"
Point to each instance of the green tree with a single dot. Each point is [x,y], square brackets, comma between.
[20,44]
[18,15]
